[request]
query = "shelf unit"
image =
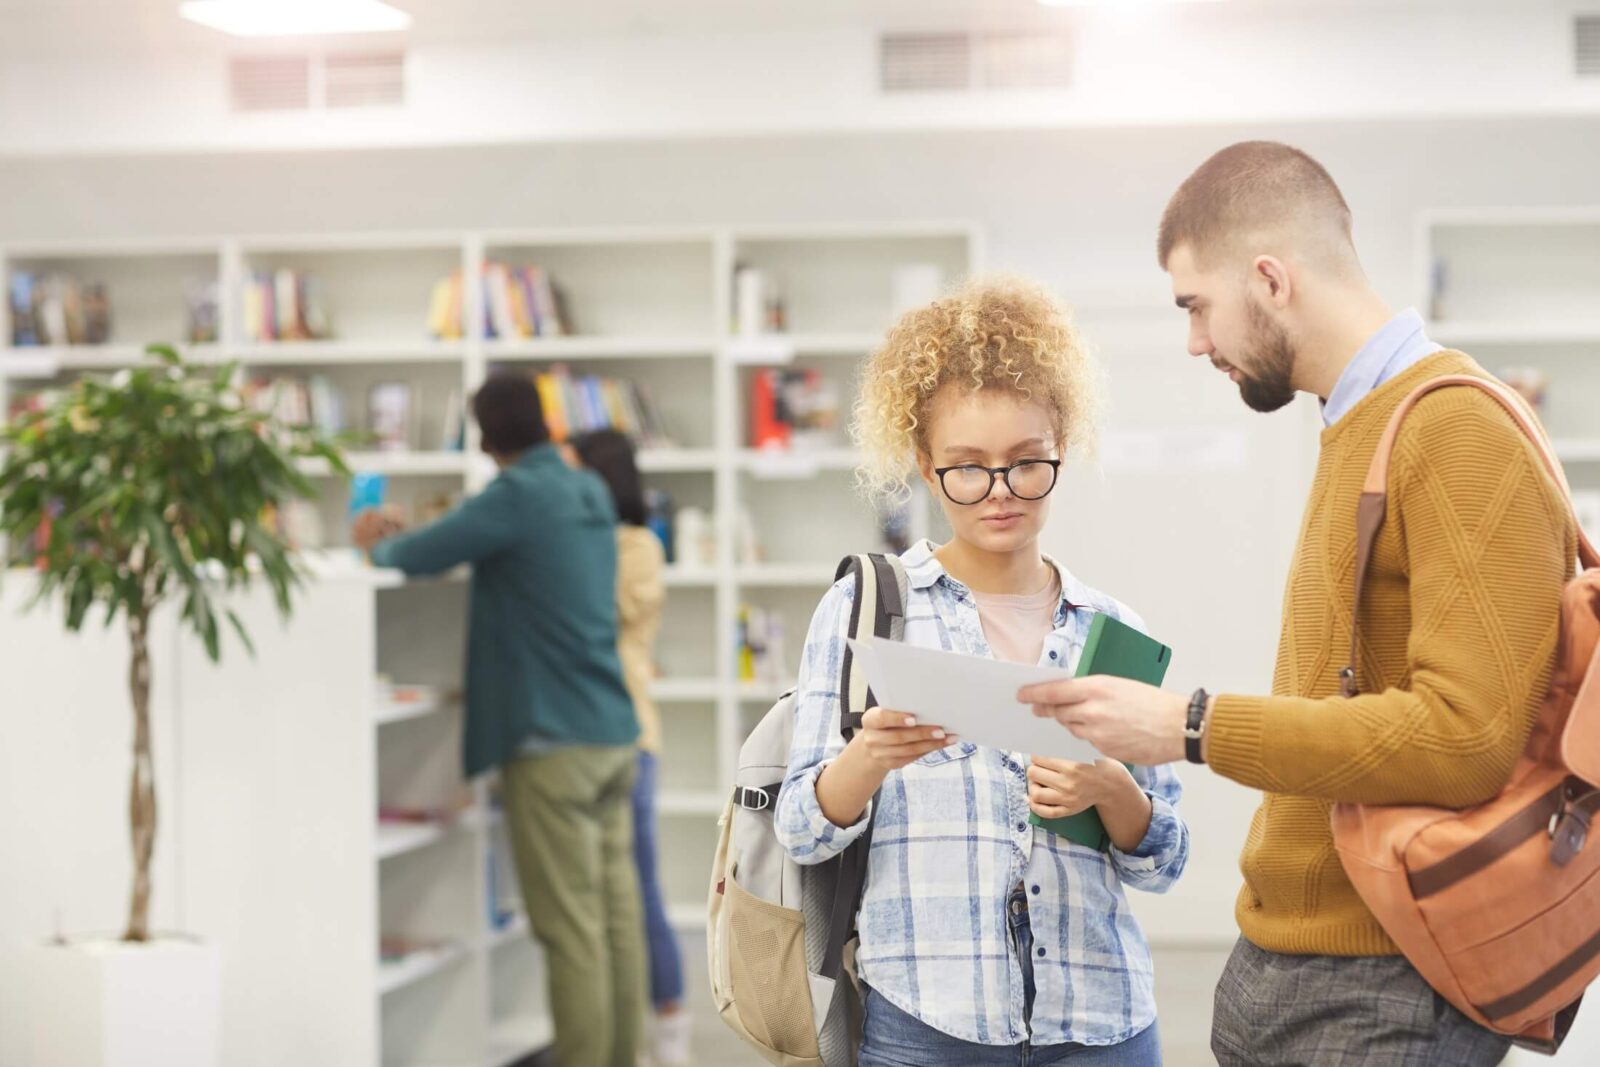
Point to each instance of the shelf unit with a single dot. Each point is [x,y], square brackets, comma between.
[1519,288]
[653,306]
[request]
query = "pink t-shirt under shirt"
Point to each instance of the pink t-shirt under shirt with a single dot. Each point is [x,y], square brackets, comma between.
[1017,624]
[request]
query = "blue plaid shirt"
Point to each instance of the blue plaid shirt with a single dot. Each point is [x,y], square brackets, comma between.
[952,839]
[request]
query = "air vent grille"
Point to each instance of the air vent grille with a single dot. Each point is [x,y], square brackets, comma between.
[960,62]
[269,83]
[365,79]
[925,62]
[1586,45]
[308,82]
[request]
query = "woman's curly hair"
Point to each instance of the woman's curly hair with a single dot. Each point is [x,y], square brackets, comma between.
[993,332]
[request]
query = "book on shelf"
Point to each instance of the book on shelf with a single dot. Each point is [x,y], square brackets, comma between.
[792,408]
[575,404]
[521,302]
[310,401]
[286,399]
[55,309]
[761,655]
[203,314]
[283,305]
[444,309]
[390,416]
[453,438]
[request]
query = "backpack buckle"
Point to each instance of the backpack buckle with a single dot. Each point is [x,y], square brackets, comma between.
[752,799]
[1569,831]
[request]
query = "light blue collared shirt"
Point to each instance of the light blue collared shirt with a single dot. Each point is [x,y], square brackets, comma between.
[1400,345]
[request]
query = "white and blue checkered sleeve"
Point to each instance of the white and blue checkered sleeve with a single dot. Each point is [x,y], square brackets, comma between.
[802,828]
[1158,861]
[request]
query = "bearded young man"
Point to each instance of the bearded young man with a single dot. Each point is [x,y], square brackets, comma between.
[1459,617]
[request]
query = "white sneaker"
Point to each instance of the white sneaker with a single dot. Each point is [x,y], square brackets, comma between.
[669,1038]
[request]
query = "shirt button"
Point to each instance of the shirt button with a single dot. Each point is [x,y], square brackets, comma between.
[1041,953]
[1022,827]
[1035,890]
[1052,655]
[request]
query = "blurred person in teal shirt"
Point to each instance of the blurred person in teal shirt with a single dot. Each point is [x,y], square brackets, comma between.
[546,704]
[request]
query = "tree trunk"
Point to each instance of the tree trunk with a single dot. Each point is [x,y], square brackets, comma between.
[142,796]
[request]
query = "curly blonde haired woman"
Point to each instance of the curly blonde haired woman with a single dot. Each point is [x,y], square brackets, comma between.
[984,940]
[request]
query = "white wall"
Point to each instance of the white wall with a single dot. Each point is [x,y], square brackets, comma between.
[1165,64]
[1200,552]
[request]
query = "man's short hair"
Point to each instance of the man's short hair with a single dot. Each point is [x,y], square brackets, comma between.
[1258,188]
[509,414]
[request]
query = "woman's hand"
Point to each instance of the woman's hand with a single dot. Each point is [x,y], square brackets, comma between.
[890,740]
[1058,788]
[887,741]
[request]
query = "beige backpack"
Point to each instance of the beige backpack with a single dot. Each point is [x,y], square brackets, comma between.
[780,935]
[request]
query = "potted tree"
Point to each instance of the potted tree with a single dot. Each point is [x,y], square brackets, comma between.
[155,488]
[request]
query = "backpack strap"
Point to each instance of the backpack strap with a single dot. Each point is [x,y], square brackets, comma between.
[881,598]
[881,592]
[1374,504]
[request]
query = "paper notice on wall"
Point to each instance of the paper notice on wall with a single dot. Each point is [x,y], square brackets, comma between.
[1179,448]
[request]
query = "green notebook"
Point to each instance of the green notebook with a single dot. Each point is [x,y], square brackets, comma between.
[1117,649]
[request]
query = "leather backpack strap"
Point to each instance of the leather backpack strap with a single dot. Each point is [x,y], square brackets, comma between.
[1374,505]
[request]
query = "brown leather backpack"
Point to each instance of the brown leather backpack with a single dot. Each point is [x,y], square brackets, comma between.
[1497,906]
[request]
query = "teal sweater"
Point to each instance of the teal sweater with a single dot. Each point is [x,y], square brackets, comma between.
[542,633]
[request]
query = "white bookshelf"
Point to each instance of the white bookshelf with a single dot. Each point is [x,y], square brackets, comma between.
[653,306]
[1521,289]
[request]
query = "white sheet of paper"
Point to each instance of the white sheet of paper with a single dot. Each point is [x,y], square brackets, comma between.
[972,697]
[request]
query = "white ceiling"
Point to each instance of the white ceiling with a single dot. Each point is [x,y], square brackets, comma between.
[43,27]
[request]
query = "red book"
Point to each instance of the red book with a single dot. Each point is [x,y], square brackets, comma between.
[766,431]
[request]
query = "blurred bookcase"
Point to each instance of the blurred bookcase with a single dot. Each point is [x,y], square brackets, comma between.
[327,320]
[1518,289]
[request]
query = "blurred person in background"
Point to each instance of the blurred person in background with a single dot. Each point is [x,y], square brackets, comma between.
[546,704]
[641,595]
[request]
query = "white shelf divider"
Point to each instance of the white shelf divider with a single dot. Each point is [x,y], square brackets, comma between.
[390,710]
[580,346]
[399,838]
[395,975]
[769,349]
[817,576]
[686,690]
[796,463]
[336,352]
[418,463]
[676,577]
[677,460]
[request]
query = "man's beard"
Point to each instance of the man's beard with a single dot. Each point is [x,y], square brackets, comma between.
[1268,364]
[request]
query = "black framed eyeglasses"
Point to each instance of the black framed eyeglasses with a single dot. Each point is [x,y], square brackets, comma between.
[970,483]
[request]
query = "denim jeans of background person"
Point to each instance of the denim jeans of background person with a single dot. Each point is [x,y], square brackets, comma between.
[546,704]
[983,938]
[1458,626]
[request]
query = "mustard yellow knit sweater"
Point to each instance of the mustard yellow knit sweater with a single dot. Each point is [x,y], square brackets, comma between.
[1458,627]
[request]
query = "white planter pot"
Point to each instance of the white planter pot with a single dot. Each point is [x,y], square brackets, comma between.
[118,1004]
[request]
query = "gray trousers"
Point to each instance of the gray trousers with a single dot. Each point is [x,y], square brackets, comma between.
[1274,1010]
